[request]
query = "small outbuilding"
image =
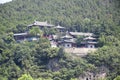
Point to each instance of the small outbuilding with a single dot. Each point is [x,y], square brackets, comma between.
[89,42]
[19,37]
[67,41]
[60,28]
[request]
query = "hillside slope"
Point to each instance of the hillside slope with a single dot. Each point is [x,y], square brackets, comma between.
[37,60]
[76,15]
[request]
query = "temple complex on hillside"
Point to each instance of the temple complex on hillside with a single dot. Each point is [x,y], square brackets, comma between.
[67,41]
[62,38]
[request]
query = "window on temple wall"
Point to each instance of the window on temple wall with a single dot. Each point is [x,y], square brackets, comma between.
[87,79]
[68,45]
[91,46]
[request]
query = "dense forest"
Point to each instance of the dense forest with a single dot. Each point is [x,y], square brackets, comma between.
[37,60]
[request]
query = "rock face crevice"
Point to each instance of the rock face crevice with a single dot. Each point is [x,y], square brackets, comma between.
[101,74]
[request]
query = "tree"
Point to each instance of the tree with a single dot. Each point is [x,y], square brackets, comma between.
[25,77]
[117,78]
[107,56]
[20,28]
[73,79]
[52,52]
[22,56]
[79,40]
[35,31]
[108,41]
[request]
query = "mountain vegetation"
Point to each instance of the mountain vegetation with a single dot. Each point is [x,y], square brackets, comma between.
[37,60]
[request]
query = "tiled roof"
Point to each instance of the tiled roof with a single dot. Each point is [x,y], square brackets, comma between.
[89,42]
[59,27]
[20,34]
[70,41]
[37,23]
[89,38]
[81,34]
[67,37]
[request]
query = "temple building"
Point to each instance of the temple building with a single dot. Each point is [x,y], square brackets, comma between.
[89,42]
[75,34]
[60,28]
[19,37]
[67,41]
[40,24]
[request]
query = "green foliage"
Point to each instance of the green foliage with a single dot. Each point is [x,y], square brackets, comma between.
[52,52]
[117,78]
[78,41]
[108,57]
[22,56]
[19,28]
[76,15]
[98,16]
[44,79]
[3,78]
[73,79]
[35,31]
[108,41]
[25,77]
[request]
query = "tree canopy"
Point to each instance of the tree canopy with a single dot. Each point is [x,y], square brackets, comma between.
[37,60]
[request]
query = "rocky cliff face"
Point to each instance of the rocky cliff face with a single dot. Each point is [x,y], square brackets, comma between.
[101,74]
